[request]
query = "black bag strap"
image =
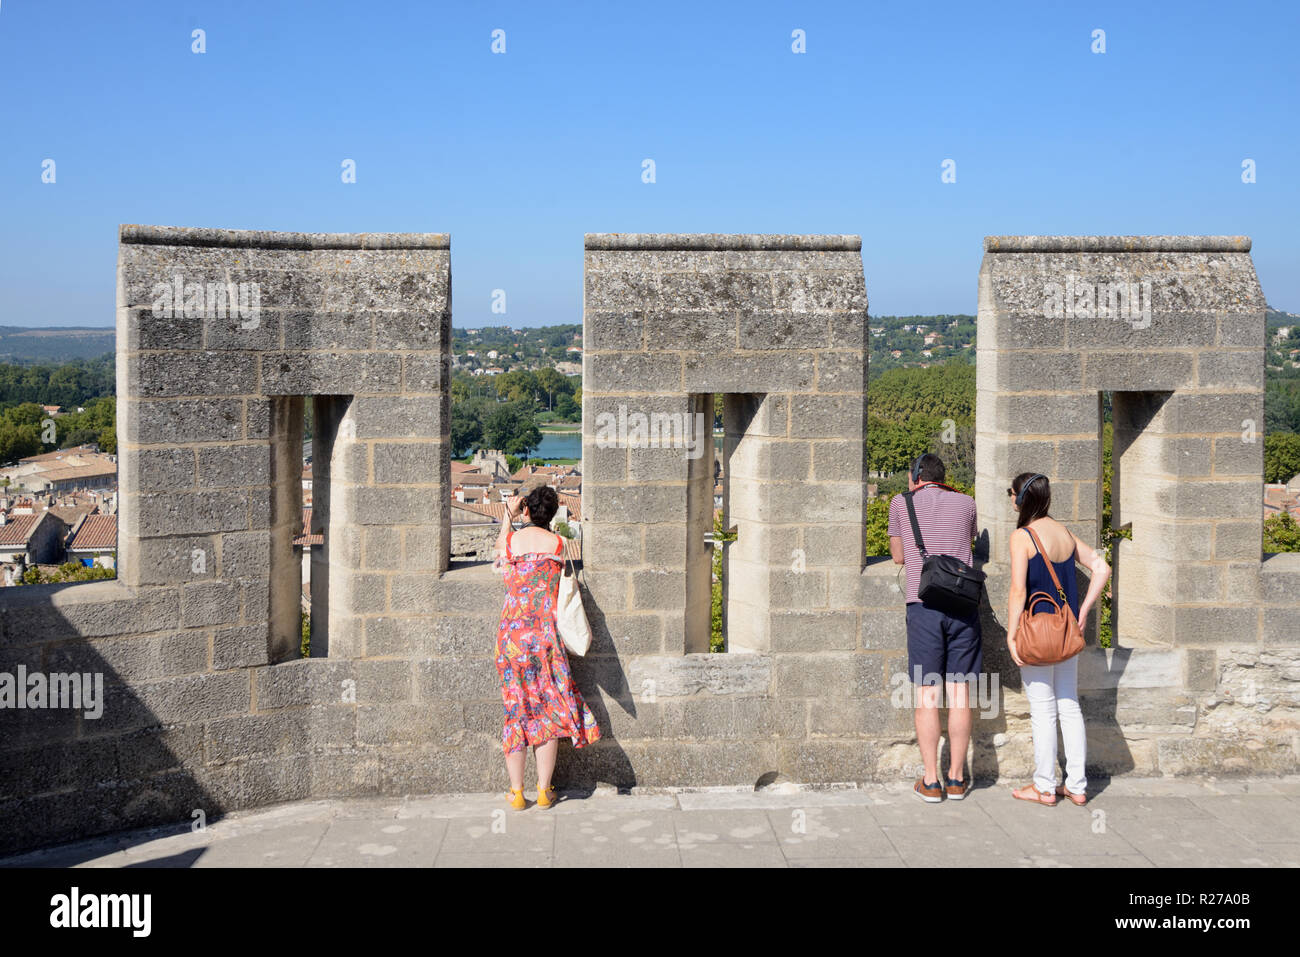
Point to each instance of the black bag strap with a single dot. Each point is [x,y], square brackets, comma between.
[916,526]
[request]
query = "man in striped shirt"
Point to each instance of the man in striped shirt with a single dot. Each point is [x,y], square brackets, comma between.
[940,648]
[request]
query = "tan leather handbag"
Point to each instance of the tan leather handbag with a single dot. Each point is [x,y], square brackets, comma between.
[1047,638]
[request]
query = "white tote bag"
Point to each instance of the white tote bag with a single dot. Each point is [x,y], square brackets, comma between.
[570,617]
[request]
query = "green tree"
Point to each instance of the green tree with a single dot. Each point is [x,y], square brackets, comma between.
[510,427]
[944,391]
[877,527]
[1281,456]
[567,409]
[552,383]
[892,446]
[466,427]
[1281,533]
[67,572]
[520,387]
[717,641]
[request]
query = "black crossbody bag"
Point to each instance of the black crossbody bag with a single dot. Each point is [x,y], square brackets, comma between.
[947,583]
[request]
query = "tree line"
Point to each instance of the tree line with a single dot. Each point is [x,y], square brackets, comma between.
[26,429]
[502,411]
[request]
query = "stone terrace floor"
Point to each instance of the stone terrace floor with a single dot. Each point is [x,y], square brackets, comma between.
[1131,822]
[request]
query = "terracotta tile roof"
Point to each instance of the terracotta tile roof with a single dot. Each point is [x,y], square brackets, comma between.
[77,471]
[70,514]
[493,510]
[19,529]
[573,549]
[95,531]
[573,503]
[569,481]
[60,454]
[305,537]
[459,467]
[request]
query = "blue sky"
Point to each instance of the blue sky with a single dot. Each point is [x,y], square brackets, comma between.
[518,155]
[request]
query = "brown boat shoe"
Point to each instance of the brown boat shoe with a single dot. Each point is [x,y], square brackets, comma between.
[929,793]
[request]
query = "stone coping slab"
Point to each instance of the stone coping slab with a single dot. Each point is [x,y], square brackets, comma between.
[264,239]
[1117,244]
[722,241]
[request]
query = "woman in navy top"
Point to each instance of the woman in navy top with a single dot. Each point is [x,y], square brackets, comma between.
[1039,579]
[1052,690]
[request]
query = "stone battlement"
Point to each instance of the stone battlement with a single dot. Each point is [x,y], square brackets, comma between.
[207,705]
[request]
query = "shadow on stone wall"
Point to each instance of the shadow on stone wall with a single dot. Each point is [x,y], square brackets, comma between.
[64,775]
[1006,739]
[602,670]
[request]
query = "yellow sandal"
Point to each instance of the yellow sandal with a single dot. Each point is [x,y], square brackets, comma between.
[546,795]
[517,800]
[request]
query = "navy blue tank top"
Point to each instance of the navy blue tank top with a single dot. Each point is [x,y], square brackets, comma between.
[1037,578]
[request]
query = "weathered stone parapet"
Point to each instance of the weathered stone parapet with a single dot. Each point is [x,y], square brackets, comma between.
[207,708]
[1172,327]
[777,323]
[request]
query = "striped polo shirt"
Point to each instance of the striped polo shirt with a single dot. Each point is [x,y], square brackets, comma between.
[947,521]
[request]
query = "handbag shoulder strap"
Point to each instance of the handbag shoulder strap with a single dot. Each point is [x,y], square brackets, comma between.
[1050,569]
[916,526]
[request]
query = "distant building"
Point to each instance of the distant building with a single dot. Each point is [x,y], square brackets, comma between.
[93,541]
[31,539]
[64,470]
[1280,498]
[492,463]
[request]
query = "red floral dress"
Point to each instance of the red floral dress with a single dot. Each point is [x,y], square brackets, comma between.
[541,700]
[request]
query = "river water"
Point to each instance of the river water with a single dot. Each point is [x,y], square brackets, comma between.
[568,445]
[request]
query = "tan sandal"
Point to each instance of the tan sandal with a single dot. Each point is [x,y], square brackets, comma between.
[1079,800]
[1040,797]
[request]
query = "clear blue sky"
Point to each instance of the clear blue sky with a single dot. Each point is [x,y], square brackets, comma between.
[518,155]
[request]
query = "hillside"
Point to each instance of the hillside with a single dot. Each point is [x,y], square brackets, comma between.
[22,346]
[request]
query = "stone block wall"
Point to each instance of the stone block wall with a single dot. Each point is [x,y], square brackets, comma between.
[778,325]
[223,337]
[1173,328]
[207,707]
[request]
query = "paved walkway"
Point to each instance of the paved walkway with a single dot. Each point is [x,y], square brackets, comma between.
[1131,822]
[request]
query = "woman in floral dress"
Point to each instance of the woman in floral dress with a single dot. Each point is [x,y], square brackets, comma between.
[542,703]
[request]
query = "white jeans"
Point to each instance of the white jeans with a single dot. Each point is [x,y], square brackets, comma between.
[1053,690]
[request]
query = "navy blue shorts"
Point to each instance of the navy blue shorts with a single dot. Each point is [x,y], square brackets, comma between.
[944,648]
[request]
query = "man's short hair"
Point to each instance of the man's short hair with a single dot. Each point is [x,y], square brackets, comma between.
[929,468]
